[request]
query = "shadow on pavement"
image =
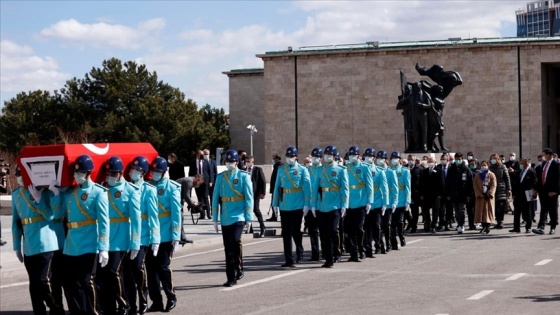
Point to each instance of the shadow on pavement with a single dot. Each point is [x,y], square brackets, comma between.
[196,287]
[542,298]
[16,312]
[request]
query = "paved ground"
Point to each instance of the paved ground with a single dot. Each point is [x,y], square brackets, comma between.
[445,273]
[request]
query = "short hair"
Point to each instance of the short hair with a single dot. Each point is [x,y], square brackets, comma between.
[459,155]
[248,157]
[470,153]
[276,157]
[240,152]
[173,155]
[199,177]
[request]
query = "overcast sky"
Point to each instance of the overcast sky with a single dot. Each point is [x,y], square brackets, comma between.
[190,43]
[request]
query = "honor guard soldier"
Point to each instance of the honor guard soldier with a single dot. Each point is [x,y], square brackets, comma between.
[158,260]
[124,215]
[330,196]
[31,224]
[134,269]
[391,205]
[404,199]
[233,197]
[86,208]
[360,184]
[311,217]
[380,200]
[292,197]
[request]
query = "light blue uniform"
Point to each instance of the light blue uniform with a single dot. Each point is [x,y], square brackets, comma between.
[360,183]
[381,187]
[234,189]
[169,209]
[404,187]
[296,185]
[150,233]
[124,214]
[38,235]
[87,208]
[393,187]
[333,182]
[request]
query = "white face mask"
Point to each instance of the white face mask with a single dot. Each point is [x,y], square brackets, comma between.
[230,166]
[368,159]
[315,160]
[380,162]
[207,157]
[493,161]
[80,177]
[410,163]
[353,158]
[444,162]
[512,158]
[112,181]
[430,165]
[169,161]
[291,161]
[135,175]
[424,164]
[19,181]
[328,159]
[156,176]
[395,162]
[484,168]
[469,157]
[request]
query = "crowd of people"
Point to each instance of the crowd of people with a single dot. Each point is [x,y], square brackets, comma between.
[119,237]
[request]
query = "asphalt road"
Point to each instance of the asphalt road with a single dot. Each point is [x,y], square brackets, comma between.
[443,273]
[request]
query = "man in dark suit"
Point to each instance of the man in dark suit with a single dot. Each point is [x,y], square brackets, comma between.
[259,190]
[446,215]
[214,168]
[277,160]
[548,188]
[524,182]
[415,177]
[200,166]
[432,186]
[176,167]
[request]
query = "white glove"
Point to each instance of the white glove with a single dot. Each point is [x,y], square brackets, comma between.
[276,211]
[305,210]
[175,245]
[393,208]
[216,224]
[247,226]
[155,248]
[383,210]
[313,211]
[133,254]
[103,258]
[407,207]
[35,193]
[368,208]
[52,187]
[19,255]
[342,212]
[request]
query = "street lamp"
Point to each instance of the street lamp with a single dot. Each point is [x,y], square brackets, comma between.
[253,130]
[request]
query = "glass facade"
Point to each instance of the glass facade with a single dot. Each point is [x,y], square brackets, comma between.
[541,18]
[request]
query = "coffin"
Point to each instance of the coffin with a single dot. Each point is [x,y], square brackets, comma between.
[40,165]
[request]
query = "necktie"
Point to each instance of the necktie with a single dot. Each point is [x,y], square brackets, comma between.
[544,172]
[445,172]
[199,167]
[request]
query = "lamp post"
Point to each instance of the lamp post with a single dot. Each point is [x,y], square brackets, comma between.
[253,130]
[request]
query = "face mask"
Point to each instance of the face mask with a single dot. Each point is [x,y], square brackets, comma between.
[410,163]
[273,162]
[444,162]
[353,158]
[169,161]
[424,164]
[484,168]
[111,181]
[512,158]
[368,159]
[458,162]
[470,157]
[156,176]
[328,159]
[135,175]
[395,162]
[291,161]
[80,178]
[206,157]
[380,162]
[431,165]
[521,166]
[472,167]
[493,161]
[231,166]
[19,181]
[315,160]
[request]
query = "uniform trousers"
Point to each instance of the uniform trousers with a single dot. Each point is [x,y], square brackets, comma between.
[233,248]
[111,284]
[372,227]
[386,229]
[313,232]
[290,221]
[58,281]
[328,229]
[159,272]
[82,271]
[135,279]
[354,230]
[38,268]
[397,226]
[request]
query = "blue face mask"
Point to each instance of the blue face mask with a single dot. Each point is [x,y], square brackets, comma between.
[111,181]
[157,176]
[135,175]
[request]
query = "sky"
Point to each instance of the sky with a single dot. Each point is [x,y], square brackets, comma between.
[190,43]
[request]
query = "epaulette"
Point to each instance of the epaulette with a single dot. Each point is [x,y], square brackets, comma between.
[134,186]
[367,164]
[343,167]
[104,188]
[148,184]
[242,171]
[174,183]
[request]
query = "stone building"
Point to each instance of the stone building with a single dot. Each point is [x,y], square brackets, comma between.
[347,95]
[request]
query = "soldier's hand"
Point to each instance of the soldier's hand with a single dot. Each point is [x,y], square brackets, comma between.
[133,254]
[103,258]
[175,245]
[305,210]
[276,211]
[313,212]
[368,208]
[52,187]
[393,208]
[407,207]
[155,249]
[342,212]
[216,224]
[383,210]
[247,226]
[35,193]
[508,193]
[19,255]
